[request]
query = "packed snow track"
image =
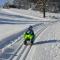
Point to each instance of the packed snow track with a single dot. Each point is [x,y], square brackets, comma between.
[13,26]
[17,50]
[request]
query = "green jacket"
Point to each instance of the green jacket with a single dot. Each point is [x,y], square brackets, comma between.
[28,36]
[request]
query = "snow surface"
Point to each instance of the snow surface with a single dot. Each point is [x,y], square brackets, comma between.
[33,14]
[47,44]
[7,26]
[6,30]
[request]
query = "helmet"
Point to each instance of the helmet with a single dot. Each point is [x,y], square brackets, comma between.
[30,27]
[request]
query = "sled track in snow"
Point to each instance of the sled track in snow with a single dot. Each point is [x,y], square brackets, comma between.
[23,54]
[21,51]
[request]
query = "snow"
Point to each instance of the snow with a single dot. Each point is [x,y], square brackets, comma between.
[7,30]
[10,28]
[36,15]
[47,44]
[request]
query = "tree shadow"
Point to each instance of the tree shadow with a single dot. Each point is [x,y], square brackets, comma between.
[6,14]
[18,23]
[44,42]
[9,21]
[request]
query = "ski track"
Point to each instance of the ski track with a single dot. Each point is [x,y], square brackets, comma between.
[22,51]
[19,51]
[25,53]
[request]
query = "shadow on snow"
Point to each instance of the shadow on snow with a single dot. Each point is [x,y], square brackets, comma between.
[44,42]
[9,21]
[5,14]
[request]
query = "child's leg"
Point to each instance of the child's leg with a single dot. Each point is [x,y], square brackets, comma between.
[25,42]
